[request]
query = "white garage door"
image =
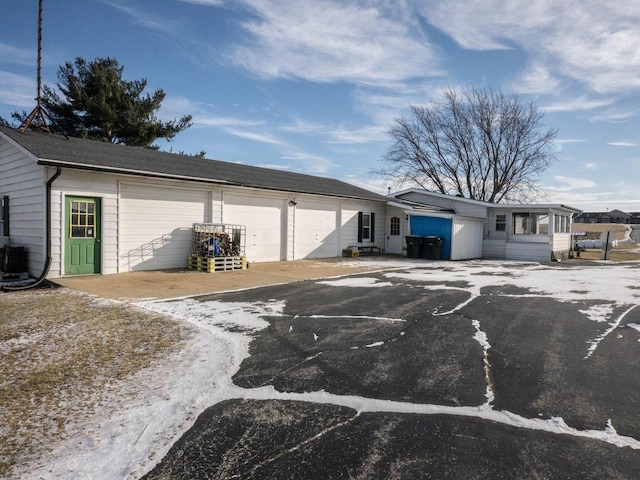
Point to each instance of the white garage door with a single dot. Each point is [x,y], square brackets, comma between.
[262,218]
[155,226]
[316,230]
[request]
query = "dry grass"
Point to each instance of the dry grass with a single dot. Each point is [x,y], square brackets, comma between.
[621,253]
[625,251]
[60,351]
[594,230]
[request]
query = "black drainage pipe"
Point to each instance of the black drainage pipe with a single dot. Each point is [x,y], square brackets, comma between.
[47,263]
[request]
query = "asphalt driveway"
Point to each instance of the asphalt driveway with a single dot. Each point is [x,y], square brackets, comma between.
[436,370]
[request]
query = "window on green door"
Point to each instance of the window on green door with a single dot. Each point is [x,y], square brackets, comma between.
[83,219]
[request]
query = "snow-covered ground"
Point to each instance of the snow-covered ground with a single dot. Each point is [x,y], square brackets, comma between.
[134,429]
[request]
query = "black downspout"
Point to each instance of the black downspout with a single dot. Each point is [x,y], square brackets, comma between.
[47,263]
[5,216]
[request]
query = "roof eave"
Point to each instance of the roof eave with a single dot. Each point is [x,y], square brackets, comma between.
[151,174]
[125,171]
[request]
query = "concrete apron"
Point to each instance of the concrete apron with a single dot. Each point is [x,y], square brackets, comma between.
[158,284]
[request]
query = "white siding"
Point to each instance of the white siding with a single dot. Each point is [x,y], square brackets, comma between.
[216,207]
[88,184]
[23,180]
[561,245]
[156,225]
[349,223]
[494,249]
[535,252]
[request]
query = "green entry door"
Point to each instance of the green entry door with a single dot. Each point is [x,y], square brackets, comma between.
[82,242]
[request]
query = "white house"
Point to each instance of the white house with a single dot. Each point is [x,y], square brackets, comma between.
[86,207]
[474,229]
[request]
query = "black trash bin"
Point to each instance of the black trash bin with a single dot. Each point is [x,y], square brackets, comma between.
[414,246]
[432,248]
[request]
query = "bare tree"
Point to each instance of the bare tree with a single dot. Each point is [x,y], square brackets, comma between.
[478,144]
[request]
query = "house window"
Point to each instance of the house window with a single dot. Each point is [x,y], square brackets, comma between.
[527,223]
[561,223]
[394,226]
[501,222]
[366,226]
[83,219]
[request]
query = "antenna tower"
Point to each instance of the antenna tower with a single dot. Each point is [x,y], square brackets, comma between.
[38,117]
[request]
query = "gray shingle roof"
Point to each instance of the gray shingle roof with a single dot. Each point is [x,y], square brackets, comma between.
[101,156]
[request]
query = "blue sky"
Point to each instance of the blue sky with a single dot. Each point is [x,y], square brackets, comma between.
[312,86]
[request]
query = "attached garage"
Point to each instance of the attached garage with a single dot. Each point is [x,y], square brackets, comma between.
[155,225]
[316,231]
[263,219]
[146,202]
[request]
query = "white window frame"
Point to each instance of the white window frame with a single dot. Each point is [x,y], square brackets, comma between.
[366,226]
[530,223]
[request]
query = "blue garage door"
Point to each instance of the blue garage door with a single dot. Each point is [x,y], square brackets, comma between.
[433,227]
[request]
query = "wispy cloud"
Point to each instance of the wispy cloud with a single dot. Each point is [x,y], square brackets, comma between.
[146,18]
[623,144]
[585,200]
[332,41]
[314,164]
[489,24]
[373,184]
[590,42]
[203,115]
[536,79]
[17,90]
[16,55]
[224,122]
[613,115]
[568,184]
[366,134]
[304,127]
[576,104]
[336,133]
[214,3]
[256,136]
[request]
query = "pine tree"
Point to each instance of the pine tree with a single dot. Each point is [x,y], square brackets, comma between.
[97,103]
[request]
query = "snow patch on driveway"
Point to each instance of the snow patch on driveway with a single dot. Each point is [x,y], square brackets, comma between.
[129,435]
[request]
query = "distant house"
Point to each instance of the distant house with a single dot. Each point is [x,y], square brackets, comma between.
[613,216]
[474,229]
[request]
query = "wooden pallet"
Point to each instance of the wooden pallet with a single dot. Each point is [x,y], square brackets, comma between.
[216,264]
